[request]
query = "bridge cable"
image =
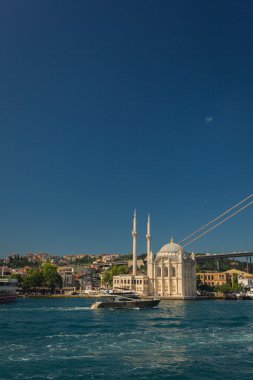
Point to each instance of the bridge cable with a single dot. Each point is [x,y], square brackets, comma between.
[218,224]
[215,219]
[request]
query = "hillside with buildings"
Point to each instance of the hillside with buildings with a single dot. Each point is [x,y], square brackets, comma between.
[91,272]
[78,272]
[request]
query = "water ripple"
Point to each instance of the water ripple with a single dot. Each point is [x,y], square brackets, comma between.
[65,339]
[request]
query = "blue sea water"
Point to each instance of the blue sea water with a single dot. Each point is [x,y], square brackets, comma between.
[65,339]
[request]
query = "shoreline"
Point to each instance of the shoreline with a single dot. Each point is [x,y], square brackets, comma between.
[87,296]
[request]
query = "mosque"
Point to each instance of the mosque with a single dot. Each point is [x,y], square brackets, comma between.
[171,273]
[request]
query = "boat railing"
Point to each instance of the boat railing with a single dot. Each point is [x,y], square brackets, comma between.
[8,282]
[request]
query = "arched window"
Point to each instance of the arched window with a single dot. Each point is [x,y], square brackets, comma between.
[165,272]
[173,272]
[159,272]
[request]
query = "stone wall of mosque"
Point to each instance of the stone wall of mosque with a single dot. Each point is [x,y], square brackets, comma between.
[173,277]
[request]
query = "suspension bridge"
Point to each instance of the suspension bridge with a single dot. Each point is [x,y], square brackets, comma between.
[215,223]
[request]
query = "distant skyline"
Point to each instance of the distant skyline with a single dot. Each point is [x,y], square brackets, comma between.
[110,106]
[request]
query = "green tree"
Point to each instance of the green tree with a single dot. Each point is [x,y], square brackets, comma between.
[33,280]
[234,281]
[236,287]
[84,260]
[36,278]
[225,288]
[27,285]
[18,277]
[51,277]
[203,287]
[143,269]
[107,276]
[198,281]
[119,269]
[18,261]
[126,257]
[221,265]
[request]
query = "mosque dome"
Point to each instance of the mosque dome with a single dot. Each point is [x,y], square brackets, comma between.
[169,248]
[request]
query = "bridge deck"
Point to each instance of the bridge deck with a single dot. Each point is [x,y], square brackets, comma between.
[207,256]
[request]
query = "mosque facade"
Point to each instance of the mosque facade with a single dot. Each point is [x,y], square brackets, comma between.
[171,272]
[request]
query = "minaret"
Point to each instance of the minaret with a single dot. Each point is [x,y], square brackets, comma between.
[149,253]
[148,236]
[134,233]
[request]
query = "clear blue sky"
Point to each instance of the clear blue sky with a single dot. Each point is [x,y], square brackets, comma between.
[110,105]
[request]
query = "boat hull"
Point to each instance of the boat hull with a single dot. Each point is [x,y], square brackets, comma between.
[143,304]
[7,298]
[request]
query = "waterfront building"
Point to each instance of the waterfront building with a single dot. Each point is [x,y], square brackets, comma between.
[226,277]
[214,278]
[67,275]
[171,273]
[246,282]
[109,257]
[238,272]
[245,279]
[137,283]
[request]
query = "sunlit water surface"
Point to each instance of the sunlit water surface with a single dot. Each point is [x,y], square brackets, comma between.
[65,339]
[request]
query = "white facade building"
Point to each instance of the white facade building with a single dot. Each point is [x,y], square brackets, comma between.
[246,281]
[171,273]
